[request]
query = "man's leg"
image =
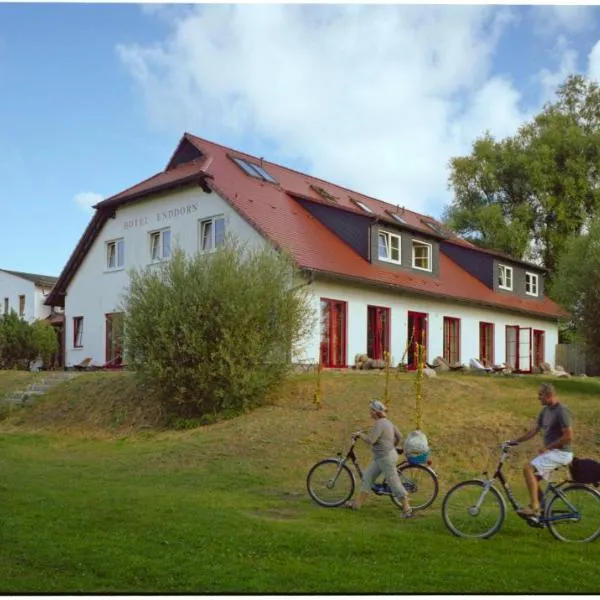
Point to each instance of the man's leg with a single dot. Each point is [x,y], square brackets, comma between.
[533,487]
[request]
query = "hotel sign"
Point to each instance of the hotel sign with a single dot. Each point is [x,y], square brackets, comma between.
[160,217]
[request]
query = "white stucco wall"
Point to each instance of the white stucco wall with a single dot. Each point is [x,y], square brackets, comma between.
[12,286]
[359,297]
[94,291]
[41,311]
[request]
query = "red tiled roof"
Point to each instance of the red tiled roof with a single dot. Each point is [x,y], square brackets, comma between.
[273,211]
[315,247]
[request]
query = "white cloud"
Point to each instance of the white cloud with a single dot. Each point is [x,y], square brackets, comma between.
[377,98]
[570,18]
[550,80]
[594,62]
[86,200]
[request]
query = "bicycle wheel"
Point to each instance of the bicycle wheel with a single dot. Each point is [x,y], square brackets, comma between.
[469,511]
[573,514]
[421,483]
[329,483]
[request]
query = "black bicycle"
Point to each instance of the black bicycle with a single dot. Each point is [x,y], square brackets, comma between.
[331,482]
[477,509]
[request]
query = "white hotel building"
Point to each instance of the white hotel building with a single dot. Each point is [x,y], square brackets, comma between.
[378,275]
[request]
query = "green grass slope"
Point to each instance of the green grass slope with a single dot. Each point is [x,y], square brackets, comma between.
[95,498]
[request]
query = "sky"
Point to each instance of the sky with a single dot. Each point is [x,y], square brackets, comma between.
[95,97]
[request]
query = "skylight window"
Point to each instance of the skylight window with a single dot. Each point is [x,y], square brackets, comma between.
[253,170]
[396,217]
[435,228]
[361,205]
[324,193]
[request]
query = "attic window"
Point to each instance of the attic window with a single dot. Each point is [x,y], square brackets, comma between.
[253,170]
[396,217]
[324,193]
[361,205]
[435,227]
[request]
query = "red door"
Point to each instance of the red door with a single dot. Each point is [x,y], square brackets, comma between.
[486,344]
[417,333]
[452,340]
[333,333]
[378,331]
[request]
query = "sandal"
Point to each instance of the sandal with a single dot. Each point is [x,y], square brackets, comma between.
[407,514]
[350,505]
[528,511]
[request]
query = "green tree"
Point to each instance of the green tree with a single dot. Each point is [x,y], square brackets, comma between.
[527,194]
[44,340]
[577,285]
[213,332]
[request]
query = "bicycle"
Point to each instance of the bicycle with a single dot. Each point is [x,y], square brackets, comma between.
[476,508]
[331,482]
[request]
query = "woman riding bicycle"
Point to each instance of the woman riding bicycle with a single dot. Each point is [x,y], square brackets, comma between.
[383,439]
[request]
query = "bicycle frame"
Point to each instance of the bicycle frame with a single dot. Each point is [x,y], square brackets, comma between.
[550,489]
[379,489]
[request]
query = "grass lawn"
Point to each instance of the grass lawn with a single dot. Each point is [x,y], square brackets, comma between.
[95,503]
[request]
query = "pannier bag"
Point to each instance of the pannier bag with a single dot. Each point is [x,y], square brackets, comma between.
[585,470]
[416,447]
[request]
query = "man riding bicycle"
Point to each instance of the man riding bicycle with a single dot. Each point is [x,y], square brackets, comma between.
[555,422]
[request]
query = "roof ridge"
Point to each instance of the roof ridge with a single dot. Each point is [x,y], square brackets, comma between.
[346,189]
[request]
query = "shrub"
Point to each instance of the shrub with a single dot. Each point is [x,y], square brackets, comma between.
[17,346]
[213,333]
[45,341]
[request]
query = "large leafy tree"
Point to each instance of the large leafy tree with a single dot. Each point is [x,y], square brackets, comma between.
[577,285]
[527,194]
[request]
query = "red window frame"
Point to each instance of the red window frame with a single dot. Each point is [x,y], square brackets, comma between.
[113,336]
[451,336]
[332,351]
[378,331]
[486,343]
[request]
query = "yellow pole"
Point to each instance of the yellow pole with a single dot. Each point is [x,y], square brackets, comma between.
[318,395]
[386,392]
[419,382]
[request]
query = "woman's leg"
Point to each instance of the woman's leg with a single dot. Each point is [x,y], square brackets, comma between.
[388,466]
[371,473]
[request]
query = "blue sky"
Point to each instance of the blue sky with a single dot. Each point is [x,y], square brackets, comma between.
[94,98]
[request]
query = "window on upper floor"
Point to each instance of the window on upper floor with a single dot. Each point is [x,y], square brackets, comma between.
[253,169]
[531,284]
[6,306]
[77,332]
[21,305]
[421,255]
[212,233]
[389,247]
[115,254]
[505,277]
[160,245]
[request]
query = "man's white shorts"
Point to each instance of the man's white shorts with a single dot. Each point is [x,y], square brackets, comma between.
[545,463]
